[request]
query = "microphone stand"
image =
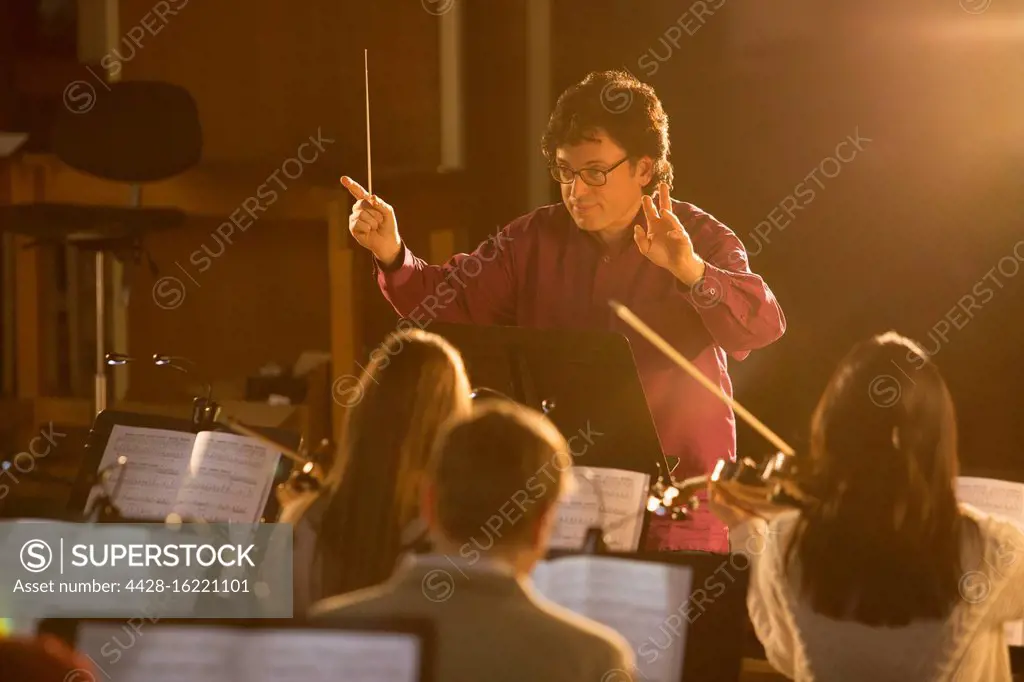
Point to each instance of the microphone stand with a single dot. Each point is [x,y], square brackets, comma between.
[205,411]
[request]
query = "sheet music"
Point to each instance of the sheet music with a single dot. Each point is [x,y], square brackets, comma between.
[157,462]
[217,477]
[614,499]
[641,600]
[155,653]
[311,656]
[993,496]
[1001,498]
[229,478]
[219,654]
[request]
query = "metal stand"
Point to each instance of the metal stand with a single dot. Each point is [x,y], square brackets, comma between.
[100,383]
[100,392]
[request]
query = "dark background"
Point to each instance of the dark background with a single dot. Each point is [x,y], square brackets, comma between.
[905,229]
[757,98]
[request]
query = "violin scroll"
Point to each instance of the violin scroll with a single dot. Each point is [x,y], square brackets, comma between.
[771,480]
[306,479]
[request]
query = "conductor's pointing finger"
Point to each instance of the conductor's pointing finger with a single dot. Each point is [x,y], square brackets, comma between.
[354,188]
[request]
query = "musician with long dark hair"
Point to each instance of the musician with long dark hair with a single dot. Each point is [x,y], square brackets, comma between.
[882,574]
[351,534]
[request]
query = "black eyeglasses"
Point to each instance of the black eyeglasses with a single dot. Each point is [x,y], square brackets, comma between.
[594,177]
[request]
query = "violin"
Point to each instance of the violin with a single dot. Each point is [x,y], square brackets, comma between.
[771,480]
[304,480]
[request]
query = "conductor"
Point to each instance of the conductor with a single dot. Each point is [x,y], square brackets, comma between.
[616,234]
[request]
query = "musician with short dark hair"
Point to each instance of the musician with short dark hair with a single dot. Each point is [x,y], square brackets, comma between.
[617,234]
[882,575]
[489,502]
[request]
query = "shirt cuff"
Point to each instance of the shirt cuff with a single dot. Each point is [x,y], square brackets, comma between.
[399,271]
[749,537]
[707,292]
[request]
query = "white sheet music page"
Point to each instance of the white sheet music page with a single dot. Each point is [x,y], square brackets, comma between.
[638,599]
[157,462]
[999,498]
[167,653]
[163,654]
[328,656]
[614,499]
[229,478]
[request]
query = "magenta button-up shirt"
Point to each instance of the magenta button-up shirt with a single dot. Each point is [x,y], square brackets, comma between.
[542,271]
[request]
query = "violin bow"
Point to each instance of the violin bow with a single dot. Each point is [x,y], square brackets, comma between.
[245,430]
[627,316]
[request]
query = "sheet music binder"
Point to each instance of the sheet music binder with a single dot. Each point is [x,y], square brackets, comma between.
[715,638]
[100,434]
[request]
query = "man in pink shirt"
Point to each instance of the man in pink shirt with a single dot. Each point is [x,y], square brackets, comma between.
[616,235]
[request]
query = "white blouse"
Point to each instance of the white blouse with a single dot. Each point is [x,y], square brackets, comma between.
[970,645]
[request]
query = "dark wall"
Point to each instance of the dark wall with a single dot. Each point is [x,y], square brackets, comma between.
[495,41]
[6,64]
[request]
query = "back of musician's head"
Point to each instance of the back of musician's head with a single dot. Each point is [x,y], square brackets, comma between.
[624,107]
[883,544]
[494,480]
[414,383]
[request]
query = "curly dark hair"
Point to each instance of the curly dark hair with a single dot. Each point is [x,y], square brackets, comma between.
[627,110]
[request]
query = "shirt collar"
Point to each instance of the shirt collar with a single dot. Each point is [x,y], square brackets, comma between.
[481,565]
[599,246]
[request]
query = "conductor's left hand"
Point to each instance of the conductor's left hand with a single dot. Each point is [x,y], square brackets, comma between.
[666,242]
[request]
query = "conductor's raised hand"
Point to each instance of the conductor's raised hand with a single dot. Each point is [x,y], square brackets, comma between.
[373,223]
[665,242]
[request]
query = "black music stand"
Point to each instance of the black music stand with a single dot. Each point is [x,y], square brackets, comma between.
[580,378]
[104,424]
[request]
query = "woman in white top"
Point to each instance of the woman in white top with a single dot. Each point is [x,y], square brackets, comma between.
[881,575]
